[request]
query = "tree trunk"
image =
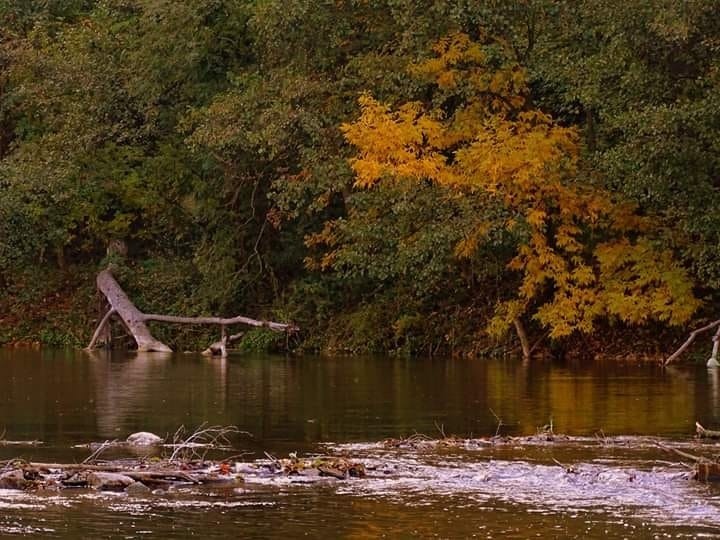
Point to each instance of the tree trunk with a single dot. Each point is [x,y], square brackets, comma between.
[131,317]
[712,362]
[703,433]
[135,320]
[524,342]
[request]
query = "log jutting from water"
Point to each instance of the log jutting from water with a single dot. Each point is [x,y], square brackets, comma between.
[713,361]
[135,321]
[704,433]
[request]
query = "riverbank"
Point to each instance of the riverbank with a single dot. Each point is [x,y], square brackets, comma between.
[48,307]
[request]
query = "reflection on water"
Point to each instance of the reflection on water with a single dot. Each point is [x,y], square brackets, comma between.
[60,397]
[288,404]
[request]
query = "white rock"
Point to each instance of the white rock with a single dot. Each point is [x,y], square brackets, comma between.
[105,481]
[144,438]
[13,480]
[137,489]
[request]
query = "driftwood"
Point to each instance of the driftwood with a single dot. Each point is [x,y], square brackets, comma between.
[4,442]
[139,477]
[109,477]
[219,348]
[681,453]
[713,361]
[109,468]
[704,469]
[135,321]
[703,433]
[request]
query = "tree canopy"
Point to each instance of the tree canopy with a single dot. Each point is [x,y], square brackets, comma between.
[414,175]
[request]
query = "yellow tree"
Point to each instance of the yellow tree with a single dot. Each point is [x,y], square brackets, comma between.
[584,255]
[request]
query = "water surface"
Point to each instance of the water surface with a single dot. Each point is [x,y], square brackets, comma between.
[315,404]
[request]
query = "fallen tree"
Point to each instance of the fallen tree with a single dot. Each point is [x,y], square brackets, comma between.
[713,361]
[135,321]
[703,433]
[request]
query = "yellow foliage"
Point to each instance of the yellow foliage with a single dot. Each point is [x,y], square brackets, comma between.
[326,237]
[467,247]
[640,283]
[496,145]
[461,61]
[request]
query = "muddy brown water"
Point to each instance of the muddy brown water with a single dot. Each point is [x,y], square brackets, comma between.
[346,405]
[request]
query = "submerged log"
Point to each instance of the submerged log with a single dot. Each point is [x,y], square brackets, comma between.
[4,442]
[135,321]
[111,476]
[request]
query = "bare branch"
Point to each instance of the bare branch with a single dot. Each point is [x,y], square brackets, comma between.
[691,338]
[100,327]
[99,450]
[207,438]
[278,327]
[135,320]
[220,347]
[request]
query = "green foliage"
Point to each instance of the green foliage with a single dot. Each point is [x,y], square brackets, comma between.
[642,78]
[168,285]
[207,135]
[261,340]
[43,306]
[51,337]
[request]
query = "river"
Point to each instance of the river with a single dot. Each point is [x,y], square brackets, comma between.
[347,405]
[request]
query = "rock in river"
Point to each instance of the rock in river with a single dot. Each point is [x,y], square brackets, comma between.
[13,480]
[137,489]
[105,481]
[144,438]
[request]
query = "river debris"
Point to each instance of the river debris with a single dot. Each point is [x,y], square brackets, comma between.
[336,467]
[418,441]
[543,436]
[125,475]
[111,476]
[185,445]
[194,445]
[187,464]
[6,442]
[703,433]
[704,468]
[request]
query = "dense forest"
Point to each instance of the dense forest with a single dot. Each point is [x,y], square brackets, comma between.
[417,176]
